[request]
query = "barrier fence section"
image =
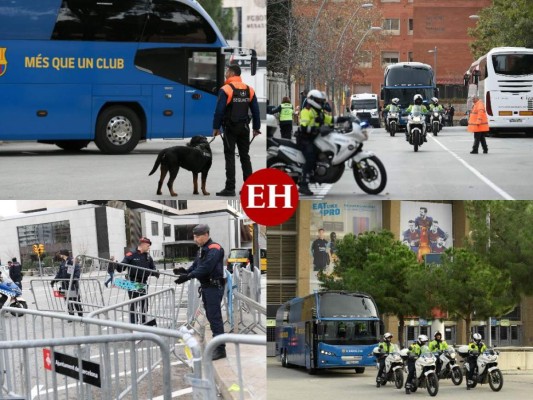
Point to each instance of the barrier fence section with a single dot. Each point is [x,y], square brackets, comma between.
[133,369]
[249,313]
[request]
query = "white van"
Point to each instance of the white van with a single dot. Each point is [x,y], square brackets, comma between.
[365,106]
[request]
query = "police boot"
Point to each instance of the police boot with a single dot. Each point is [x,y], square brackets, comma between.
[407,389]
[304,189]
[378,381]
[220,352]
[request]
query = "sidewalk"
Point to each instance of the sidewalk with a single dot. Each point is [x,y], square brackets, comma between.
[253,364]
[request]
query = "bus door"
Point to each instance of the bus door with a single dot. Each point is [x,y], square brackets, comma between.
[167,111]
[201,91]
[310,344]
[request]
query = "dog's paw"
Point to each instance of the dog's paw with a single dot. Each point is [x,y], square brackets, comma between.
[206,193]
[195,192]
[159,193]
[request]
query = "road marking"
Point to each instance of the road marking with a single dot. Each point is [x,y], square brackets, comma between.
[487,181]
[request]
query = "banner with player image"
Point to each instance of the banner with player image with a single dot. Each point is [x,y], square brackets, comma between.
[330,221]
[426,228]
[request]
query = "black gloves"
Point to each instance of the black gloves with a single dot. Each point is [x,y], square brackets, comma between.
[52,283]
[179,271]
[182,279]
[156,274]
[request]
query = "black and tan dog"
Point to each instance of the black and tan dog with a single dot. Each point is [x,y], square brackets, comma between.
[195,157]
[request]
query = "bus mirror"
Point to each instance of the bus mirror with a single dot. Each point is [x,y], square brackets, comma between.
[253,65]
[381,328]
[466,79]
[382,94]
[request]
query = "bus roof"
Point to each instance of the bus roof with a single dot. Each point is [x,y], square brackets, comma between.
[355,294]
[413,64]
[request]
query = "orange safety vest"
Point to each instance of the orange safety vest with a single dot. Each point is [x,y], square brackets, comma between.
[478,121]
[238,84]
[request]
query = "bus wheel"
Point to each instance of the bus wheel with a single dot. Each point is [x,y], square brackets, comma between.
[284,360]
[118,130]
[72,145]
[359,370]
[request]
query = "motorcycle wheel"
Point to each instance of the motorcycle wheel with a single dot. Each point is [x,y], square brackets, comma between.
[392,129]
[457,376]
[415,140]
[496,380]
[278,164]
[398,378]
[432,385]
[18,304]
[370,175]
[435,128]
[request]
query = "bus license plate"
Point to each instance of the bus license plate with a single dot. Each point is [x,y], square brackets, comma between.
[352,362]
[515,120]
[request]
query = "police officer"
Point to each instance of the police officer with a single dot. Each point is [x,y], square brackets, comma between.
[68,268]
[386,347]
[15,272]
[234,100]
[208,269]
[286,111]
[415,351]
[474,349]
[139,258]
[438,345]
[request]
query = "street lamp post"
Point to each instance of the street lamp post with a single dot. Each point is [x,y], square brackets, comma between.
[311,40]
[434,51]
[334,75]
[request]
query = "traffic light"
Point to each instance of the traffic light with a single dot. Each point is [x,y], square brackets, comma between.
[41,249]
[36,249]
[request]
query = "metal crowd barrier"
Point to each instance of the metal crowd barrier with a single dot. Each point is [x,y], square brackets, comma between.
[135,370]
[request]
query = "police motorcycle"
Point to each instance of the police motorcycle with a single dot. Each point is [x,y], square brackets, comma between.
[425,375]
[435,121]
[393,367]
[336,149]
[486,370]
[11,295]
[416,128]
[272,124]
[449,368]
[393,119]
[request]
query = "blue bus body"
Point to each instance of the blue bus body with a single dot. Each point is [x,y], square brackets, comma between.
[328,330]
[114,72]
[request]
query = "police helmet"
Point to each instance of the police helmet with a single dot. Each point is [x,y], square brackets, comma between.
[396,101]
[477,337]
[423,339]
[437,334]
[316,99]
[387,336]
[435,100]
[417,99]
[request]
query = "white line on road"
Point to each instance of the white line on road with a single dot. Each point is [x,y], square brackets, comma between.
[489,183]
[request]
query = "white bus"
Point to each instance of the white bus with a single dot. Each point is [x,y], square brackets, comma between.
[503,79]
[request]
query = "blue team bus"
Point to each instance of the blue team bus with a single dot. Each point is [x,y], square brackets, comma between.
[328,330]
[114,72]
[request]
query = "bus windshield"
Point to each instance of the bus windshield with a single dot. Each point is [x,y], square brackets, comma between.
[406,95]
[364,104]
[348,332]
[336,305]
[409,75]
[513,64]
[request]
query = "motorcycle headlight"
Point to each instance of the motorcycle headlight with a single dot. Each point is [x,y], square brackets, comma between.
[416,119]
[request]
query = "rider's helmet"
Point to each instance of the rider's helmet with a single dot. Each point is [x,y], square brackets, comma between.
[477,338]
[422,339]
[316,99]
[395,101]
[418,99]
[435,101]
[387,337]
[437,334]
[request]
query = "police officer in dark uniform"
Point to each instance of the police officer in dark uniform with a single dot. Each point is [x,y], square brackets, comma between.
[15,272]
[139,258]
[234,100]
[69,268]
[208,269]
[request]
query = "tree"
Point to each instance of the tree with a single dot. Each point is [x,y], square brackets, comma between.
[468,287]
[502,232]
[223,17]
[505,23]
[377,264]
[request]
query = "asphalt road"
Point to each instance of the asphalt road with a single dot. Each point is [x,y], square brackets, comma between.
[444,169]
[296,384]
[41,171]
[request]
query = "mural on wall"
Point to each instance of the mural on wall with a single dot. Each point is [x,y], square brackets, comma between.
[426,228]
[330,221]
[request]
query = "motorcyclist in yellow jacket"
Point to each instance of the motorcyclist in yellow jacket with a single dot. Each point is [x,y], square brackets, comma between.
[386,347]
[415,350]
[438,345]
[475,348]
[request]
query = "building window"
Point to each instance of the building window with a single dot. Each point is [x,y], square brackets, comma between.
[155,228]
[410,57]
[166,230]
[390,57]
[183,232]
[365,60]
[182,204]
[392,25]
[410,26]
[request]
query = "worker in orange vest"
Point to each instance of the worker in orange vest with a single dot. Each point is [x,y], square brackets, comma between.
[478,124]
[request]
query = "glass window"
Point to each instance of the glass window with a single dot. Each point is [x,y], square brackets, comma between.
[410,26]
[392,25]
[54,235]
[514,332]
[183,232]
[169,63]
[513,64]
[348,332]
[182,204]
[504,332]
[365,60]
[174,22]
[410,57]
[116,21]
[203,71]
[166,230]
[155,228]
[390,57]
[347,306]
[410,333]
